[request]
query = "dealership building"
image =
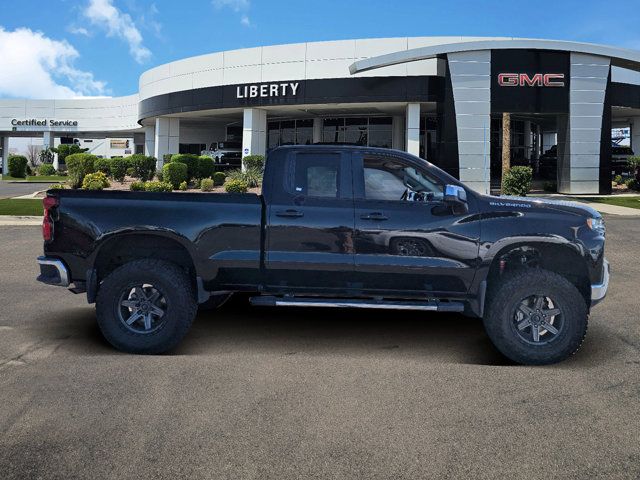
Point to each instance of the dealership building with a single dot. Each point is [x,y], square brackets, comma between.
[440,98]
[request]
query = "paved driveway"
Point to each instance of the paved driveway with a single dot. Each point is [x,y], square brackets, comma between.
[305,394]
[10,189]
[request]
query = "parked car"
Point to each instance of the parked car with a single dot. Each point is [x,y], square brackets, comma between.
[225,154]
[335,226]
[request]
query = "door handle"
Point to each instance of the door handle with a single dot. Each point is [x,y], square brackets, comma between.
[374,216]
[290,213]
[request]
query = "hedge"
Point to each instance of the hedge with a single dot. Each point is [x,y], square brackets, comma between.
[102,165]
[190,160]
[205,166]
[78,166]
[18,166]
[517,181]
[143,167]
[157,187]
[46,169]
[174,173]
[254,162]
[119,167]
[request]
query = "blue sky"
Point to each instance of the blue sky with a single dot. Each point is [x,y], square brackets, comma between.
[66,48]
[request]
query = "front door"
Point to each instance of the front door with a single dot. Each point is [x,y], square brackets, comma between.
[310,223]
[406,239]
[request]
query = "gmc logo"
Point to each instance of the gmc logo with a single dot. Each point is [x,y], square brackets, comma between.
[537,80]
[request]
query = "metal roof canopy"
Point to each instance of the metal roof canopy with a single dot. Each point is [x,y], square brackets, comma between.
[620,57]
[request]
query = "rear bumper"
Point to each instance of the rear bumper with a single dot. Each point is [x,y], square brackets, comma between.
[599,290]
[53,272]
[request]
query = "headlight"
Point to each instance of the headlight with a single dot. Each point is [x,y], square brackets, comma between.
[596,224]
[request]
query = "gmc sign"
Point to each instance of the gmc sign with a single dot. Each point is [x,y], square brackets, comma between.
[537,80]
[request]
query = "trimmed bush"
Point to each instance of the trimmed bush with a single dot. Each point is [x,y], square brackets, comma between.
[174,173]
[157,187]
[206,185]
[95,181]
[102,165]
[190,160]
[254,162]
[632,184]
[137,186]
[517,181]
[118,168]
[66,150]
[166,158]
[219,178]
[57,186]
[130,171]
[236,186]
[143,167]
[159,176]
[17,166]
[617,179]
[205,166]
[79,165]
[183,186]
[46,169]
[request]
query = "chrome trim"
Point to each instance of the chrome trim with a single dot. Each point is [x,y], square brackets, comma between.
[60,267]
[335,304]
[599,290]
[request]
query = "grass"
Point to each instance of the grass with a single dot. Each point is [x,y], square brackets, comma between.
[631,202]
[38,178]
[21,206]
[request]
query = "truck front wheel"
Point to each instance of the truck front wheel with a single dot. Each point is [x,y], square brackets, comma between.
[145,306]
[536,317]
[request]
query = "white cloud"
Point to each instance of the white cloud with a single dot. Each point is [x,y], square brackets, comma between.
[103,14]
[78,30]
[238,6]
[35,66]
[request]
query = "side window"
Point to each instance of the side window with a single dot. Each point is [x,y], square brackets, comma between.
[316,175]
[387,178]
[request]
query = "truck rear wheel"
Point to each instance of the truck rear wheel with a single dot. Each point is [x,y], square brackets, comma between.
[145,306]
[536,317]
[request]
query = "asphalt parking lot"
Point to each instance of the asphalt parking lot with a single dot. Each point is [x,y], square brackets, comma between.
[282,393]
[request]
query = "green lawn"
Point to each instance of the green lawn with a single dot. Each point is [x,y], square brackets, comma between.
[11,206]
[631,202]
[38,178]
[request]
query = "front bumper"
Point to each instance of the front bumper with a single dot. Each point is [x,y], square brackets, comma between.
[599,290]
[53,272]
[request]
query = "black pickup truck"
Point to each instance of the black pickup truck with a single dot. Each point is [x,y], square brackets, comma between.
[335,226]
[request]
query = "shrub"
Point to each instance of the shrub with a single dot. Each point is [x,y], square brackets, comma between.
[57,186]
[251,176]
[137,186]
[46,169]
[144,167]
[65,150]
[160,176]
[118,168]
[157,187]
[634,166]
[130,171]
[632,184]
[206,185]
[174,173]
[17,166]
[166,158]
[254,162]
[29,170]
[550,187]
[95,181]
[617,179]
[79,165]
[236,186]
[205,166]
[183,186]
[190,160]
[46,155]
[219,178]
[517,181]
[102,165]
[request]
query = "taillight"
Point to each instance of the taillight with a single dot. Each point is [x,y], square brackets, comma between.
[47,221]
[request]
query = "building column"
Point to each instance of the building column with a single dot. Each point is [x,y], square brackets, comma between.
[527,139]
[579,163]
[166,138]
[412,130]
[254,132]
[397,132]
[5,155]
[150,141]
[317,130]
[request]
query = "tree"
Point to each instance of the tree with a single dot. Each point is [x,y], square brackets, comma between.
[65,150]
[33,154]
[46,155]
[506,146]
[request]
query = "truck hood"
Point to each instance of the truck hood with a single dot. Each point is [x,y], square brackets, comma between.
[535,202]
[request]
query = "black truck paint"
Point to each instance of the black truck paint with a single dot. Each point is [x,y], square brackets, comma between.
[450,248]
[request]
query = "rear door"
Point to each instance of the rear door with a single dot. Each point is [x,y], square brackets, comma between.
[406,240]
[310,224]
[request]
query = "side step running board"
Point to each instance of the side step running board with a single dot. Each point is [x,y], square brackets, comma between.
[433,306]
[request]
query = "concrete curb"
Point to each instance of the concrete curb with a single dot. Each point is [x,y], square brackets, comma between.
[15,220]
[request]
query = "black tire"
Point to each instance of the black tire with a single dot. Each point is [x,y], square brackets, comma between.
[176,300]
[511,329]
[215,301]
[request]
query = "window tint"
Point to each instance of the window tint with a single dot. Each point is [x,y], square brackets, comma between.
[386,178]
[317,175]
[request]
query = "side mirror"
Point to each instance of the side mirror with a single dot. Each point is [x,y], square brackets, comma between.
[456,197]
